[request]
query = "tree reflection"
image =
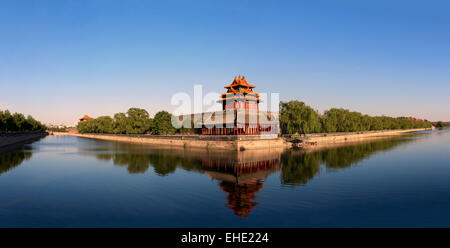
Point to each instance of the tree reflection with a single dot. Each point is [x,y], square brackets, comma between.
[163,164]
[346,156]
[135,163]
[300,167]
[13,159]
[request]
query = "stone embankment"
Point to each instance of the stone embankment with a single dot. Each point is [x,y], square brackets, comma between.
[332,139]
[238,143]
[195,141]
[18,138]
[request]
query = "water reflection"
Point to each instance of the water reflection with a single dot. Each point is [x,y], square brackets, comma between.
[241,175]
[376,184]
[14,155]
[139,161]
[298,167]
[10,160]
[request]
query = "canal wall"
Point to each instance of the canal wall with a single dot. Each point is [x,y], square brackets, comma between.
[238,143]
[332,139]
[8,140]
[235,143]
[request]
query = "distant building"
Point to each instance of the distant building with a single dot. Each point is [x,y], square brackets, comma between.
[417,119]
[85,118]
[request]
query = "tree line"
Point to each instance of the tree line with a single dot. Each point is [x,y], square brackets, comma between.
[297,117]
[134,121]
[17,122]
[57,129]
[441,124]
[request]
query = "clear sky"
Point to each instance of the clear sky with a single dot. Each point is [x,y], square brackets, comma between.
[62,59]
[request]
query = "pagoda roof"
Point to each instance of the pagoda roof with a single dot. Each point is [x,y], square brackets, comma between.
[239,81]
[86,117]
[240,97]
[235,93]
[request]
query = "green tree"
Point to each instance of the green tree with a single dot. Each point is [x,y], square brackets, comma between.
[27,124]
[162,123]
[120,123]
[87,126]
[441,124]
[104,124]
[17,122]
[2,122]
[330,121]
[139,121]
[296,117]
[9,121]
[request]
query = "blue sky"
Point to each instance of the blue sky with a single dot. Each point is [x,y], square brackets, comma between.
[61,59]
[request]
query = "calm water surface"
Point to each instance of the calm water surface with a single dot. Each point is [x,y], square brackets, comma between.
[75,182]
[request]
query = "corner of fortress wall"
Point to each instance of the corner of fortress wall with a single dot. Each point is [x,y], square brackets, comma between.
[355,137]
[262,144]
[192,143]
[250,144]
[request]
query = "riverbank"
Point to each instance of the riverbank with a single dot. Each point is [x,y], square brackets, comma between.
[313,141]
[239,143]
[235,143]
[12,140]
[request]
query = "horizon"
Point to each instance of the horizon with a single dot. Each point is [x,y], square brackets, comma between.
[63,60]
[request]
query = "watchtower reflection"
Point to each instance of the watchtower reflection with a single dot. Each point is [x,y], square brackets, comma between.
[242,176]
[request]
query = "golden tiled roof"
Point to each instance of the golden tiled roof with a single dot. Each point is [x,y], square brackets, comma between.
[240,86]
[241,97]
[86,117]
[239,81]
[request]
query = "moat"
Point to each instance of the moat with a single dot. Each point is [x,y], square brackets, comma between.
[69,181]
